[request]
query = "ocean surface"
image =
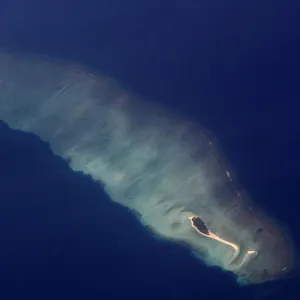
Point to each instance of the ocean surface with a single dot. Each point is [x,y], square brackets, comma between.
[231,66]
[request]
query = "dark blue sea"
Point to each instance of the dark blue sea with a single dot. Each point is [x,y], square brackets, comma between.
[233,66]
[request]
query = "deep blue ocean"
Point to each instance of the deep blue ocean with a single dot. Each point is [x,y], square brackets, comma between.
[233,66]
